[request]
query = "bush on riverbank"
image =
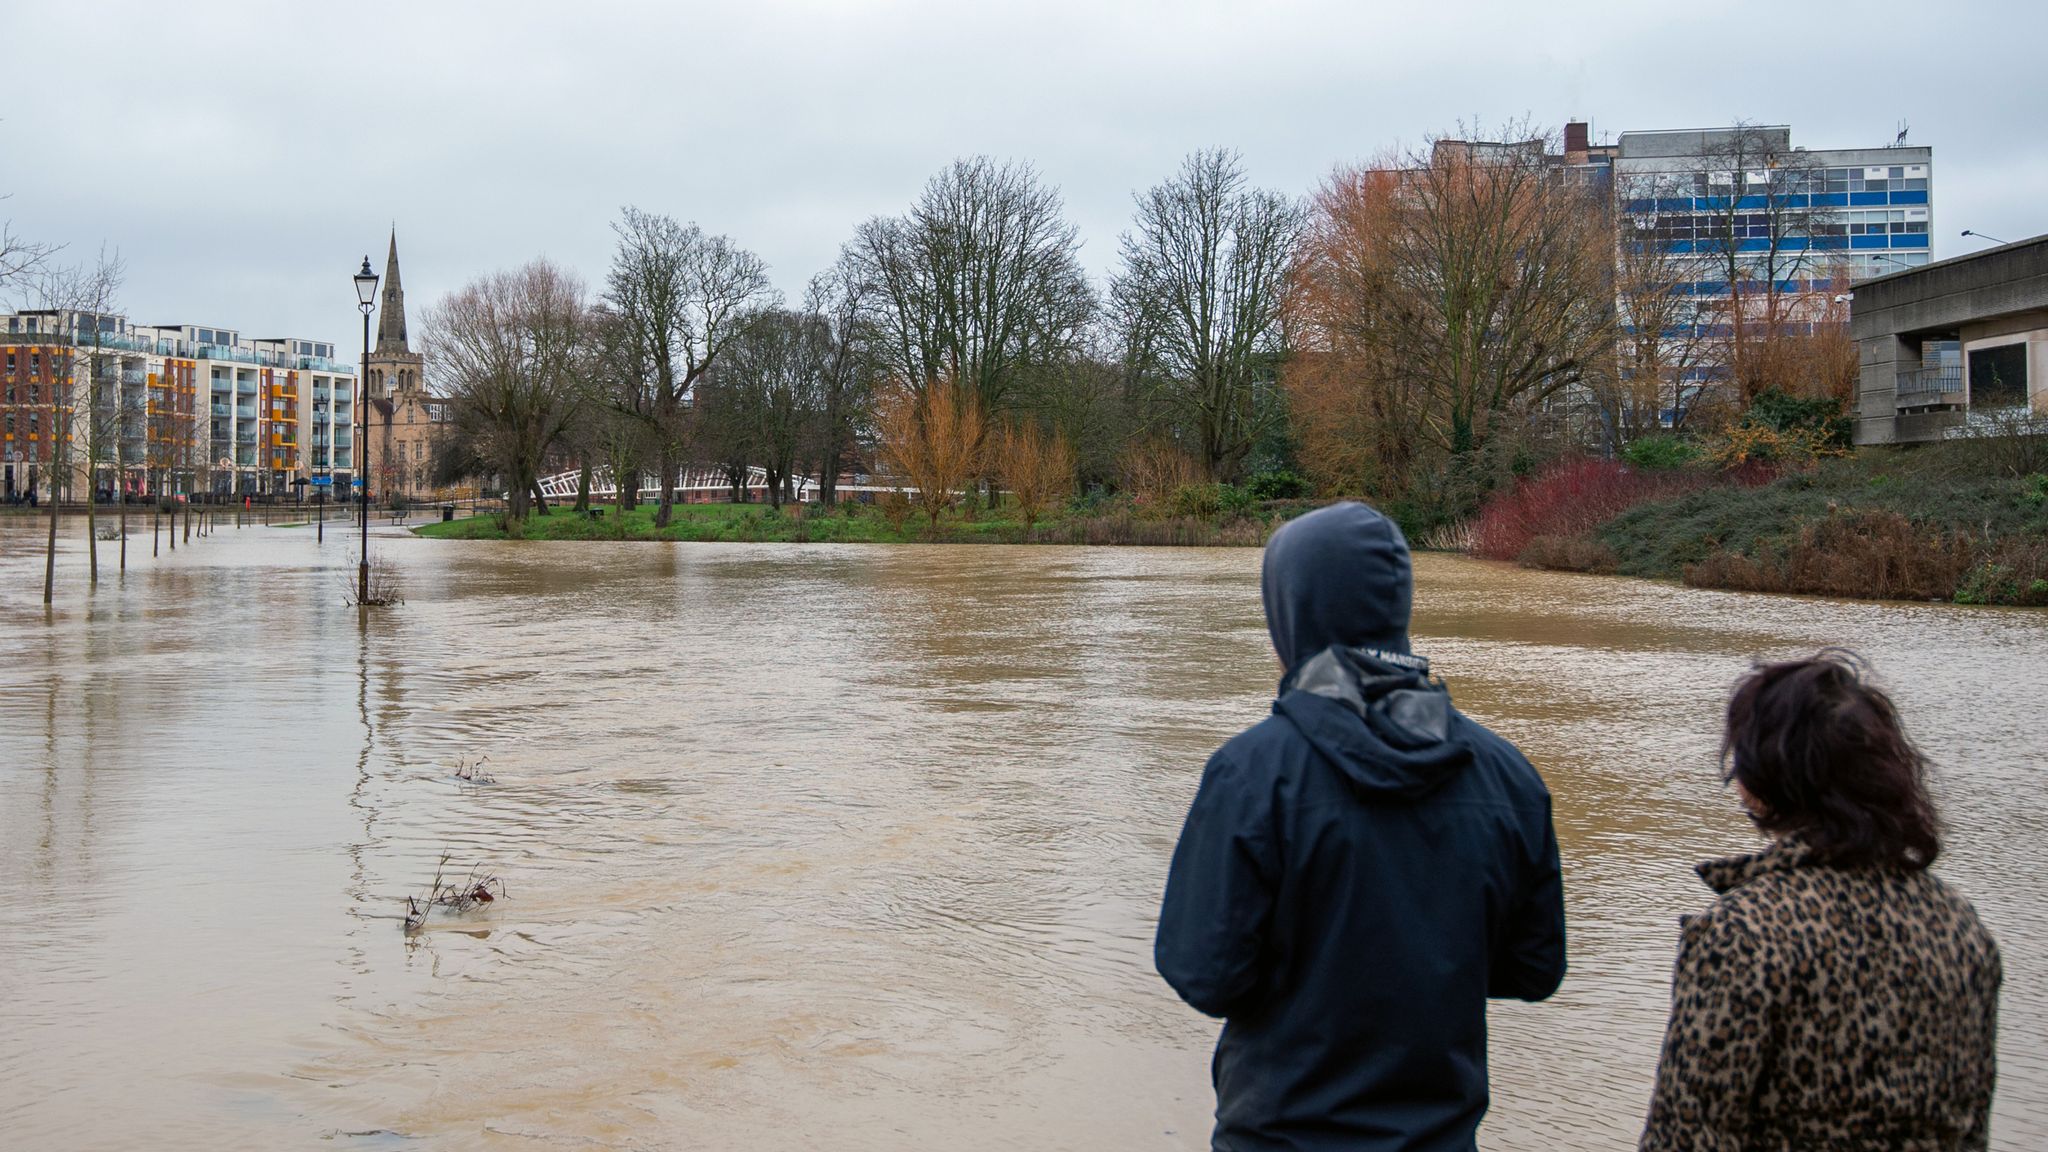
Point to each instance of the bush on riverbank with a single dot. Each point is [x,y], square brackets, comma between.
[1566,503]
[1891,523]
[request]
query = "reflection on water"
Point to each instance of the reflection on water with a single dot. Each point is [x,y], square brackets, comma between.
[813,846]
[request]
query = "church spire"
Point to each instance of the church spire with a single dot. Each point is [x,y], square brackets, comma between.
[391,322]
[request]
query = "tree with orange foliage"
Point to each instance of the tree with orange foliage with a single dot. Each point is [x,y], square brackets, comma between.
[1444,294]
[1804,350]
[931,437]
[1039,469]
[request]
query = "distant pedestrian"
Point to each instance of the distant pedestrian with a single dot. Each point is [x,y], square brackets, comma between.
[1837,995]
[1359,872]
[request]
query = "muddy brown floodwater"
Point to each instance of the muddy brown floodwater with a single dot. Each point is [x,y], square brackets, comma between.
[844,847]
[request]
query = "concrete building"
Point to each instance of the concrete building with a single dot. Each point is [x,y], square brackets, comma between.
[195,408]
[1954,347]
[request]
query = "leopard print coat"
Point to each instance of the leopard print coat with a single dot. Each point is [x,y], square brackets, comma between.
[1817,1007]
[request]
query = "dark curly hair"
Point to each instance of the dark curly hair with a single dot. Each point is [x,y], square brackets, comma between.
[1822,752]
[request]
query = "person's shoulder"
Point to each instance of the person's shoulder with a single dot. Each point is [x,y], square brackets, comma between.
[1961,915]
[1255,755]
[1255,745]
[1497,755]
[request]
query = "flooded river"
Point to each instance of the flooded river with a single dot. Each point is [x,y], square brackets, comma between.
[840,847]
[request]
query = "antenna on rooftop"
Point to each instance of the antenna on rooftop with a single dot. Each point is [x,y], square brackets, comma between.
[1904,128]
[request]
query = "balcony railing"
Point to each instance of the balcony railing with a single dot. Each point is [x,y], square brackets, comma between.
[1930,388]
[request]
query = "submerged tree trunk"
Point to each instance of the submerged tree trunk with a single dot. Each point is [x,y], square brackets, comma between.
[50,557]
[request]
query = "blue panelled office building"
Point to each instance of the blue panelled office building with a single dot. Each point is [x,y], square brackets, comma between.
[1804,213]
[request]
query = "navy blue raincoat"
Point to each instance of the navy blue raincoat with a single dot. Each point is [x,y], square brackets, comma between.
[1358,874]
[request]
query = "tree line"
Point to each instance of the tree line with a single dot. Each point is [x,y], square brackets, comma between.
[1416,331]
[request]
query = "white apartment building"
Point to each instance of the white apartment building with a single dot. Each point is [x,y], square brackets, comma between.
[196,408]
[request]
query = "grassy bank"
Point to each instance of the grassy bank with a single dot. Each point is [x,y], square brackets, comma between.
[1922,524]
[1112,523]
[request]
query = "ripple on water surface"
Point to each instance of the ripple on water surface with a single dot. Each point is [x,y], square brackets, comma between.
[840,846]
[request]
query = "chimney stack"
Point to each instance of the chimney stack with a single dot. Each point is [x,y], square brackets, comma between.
[1575,136]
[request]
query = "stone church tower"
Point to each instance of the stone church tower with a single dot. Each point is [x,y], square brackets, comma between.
[401,467]
[393,367]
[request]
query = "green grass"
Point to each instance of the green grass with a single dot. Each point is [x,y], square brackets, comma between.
[860,524]
[1662,538]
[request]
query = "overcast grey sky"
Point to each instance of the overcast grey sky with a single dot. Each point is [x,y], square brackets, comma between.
[243,157]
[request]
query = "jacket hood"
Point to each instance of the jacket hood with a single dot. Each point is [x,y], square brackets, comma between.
[1378,717]
[1337,576]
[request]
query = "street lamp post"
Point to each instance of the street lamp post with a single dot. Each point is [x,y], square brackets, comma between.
[366,295]
[1981,236]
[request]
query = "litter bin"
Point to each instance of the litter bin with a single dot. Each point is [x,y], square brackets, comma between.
[447,513]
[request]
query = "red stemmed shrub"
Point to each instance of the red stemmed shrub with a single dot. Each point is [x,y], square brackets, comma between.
[1569,501]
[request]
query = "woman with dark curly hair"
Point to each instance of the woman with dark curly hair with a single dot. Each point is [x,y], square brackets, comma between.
[1837,995]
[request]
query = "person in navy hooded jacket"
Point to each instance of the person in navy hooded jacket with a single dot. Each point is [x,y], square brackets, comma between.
[1359,872]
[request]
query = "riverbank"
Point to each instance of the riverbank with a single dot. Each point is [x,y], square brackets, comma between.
[1879,524]
[869,524]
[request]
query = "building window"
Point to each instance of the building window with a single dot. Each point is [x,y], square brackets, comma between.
[1998,376]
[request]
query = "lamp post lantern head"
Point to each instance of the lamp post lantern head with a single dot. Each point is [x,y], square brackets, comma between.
[366,287]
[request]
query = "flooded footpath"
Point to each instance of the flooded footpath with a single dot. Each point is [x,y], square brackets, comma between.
[816,846]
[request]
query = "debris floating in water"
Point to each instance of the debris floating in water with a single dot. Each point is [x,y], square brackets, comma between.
[475,888]
[472,771]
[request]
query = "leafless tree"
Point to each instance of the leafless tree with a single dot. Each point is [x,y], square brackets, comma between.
[846,369]
[762,400]
[980,284]
[618,423]
[1662,341]
[682,294]
[1445,295]
[84,372]
[511,351]
[1202,290]
[21,259]
[1757,225]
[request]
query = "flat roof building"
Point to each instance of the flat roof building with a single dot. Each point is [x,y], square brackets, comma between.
[167,408]
[1953,348]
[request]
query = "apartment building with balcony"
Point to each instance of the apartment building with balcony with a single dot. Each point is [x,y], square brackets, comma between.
[193,408]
